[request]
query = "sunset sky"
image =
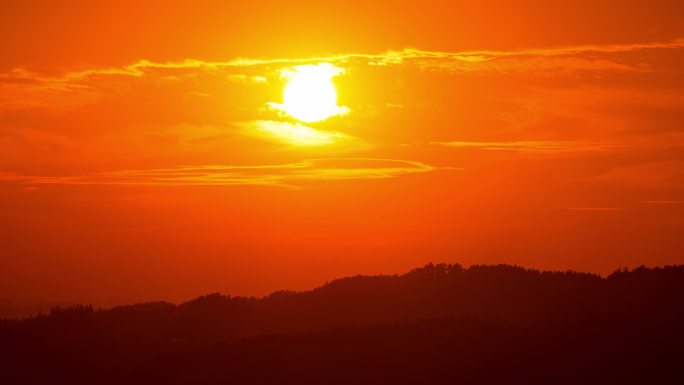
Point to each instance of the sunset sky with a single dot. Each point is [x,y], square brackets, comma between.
[147,151]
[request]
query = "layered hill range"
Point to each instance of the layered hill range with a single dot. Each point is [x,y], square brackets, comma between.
[437,324]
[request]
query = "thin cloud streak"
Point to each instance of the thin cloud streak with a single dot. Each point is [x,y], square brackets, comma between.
[19,86]
[597,209]
[278,175]
[296,134]
[530,146]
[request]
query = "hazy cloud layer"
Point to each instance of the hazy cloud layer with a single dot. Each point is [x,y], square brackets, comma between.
[279,175]
[622,101]
[530,146]
[22,89]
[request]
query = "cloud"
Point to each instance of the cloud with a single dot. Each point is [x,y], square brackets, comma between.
[245,78]
[20,88]
[530,146]
[282,109]
[590,209]
[295,134]
[280,175]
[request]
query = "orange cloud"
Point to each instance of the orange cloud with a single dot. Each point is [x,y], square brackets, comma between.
[21,89]
[530,146]
[279,175]
[296,134]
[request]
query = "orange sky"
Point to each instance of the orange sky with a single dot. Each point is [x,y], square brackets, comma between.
[141,157]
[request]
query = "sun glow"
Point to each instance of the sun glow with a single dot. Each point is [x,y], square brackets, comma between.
[310,94]
[296,133]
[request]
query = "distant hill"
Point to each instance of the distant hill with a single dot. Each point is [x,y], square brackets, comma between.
[436,324]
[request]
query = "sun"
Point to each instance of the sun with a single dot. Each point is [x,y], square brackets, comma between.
[310,94]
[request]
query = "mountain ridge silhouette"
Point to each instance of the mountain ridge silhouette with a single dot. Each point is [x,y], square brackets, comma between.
[525,307]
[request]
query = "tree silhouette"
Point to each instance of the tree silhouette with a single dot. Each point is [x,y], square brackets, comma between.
[436,324]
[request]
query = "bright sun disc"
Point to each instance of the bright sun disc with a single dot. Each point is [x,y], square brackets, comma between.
[310,95]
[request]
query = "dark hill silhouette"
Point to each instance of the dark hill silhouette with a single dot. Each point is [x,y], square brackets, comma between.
[436,324]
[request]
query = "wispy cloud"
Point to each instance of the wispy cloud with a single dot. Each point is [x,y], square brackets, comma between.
[529,146]
[20,88]
[386,58]
[590,209]
[296,134]
[280,175]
